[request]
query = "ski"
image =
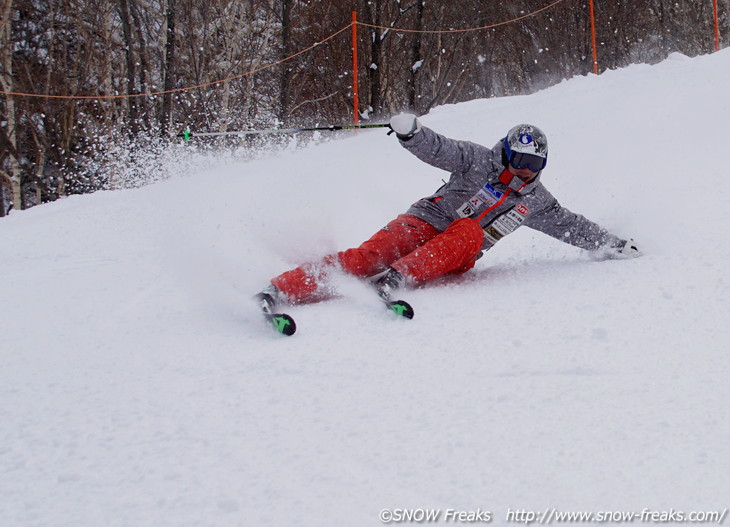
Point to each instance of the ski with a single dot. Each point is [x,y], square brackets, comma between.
[400,308]
[284,324]
[281,322]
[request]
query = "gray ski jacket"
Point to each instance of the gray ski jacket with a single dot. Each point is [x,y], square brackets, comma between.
[481,188]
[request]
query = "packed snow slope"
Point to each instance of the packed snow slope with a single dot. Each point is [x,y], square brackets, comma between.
[140,387]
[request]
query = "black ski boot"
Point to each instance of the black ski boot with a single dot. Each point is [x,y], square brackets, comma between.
[386,285]
[268,300]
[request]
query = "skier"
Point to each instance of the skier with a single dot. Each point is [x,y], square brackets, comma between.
[491,192]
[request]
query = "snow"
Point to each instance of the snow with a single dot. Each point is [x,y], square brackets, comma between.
[140,387]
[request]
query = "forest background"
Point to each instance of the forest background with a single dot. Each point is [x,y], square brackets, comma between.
[227,65]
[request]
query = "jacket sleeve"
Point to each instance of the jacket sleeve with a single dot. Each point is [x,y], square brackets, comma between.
[444,153]
[569,227]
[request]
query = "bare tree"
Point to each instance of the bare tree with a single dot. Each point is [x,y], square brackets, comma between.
[133,109]
[169,68]
[287,50]
[10,152]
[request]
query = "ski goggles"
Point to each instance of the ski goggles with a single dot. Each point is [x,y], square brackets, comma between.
[531,161]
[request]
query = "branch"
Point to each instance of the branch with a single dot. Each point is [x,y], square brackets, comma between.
[313,100]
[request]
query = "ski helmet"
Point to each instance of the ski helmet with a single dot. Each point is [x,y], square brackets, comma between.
[526,147]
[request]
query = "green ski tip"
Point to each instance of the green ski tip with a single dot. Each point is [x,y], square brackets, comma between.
[401,308]
[283,324]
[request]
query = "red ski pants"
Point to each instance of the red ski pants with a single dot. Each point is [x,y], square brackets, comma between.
[408,244]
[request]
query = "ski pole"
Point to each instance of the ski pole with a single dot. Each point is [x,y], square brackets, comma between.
[187,134]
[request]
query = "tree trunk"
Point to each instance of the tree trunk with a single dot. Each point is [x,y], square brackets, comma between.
[143,64]
[286,74]
[2,195]
[257,58]
[6,81]
[225,108]
[169,68]
[413,91]
[131,68]
[373,12]
[41,173]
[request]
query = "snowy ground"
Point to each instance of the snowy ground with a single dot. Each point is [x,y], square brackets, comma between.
[139,387]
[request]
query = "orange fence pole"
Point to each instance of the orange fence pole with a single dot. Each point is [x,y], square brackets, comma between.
[355,99]
[717,26]
[593,37]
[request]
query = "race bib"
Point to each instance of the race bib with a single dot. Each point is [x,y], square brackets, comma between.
[486,197]
[505,224]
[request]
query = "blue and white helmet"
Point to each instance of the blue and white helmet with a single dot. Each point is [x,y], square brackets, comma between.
[526,139]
